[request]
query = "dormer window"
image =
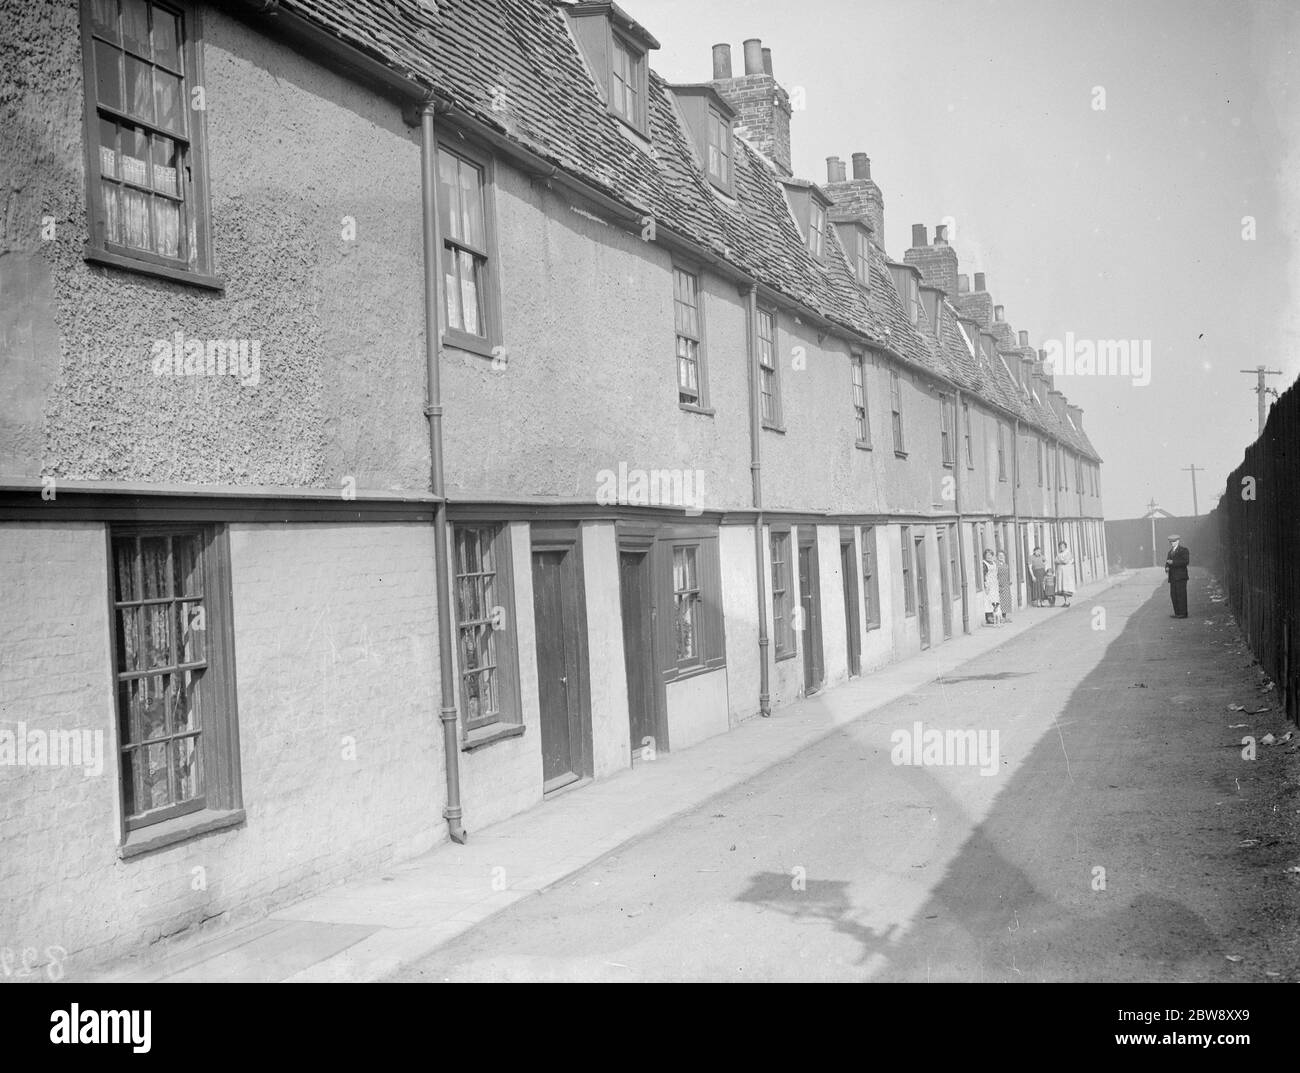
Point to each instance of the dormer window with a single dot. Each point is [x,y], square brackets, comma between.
[718,165]
[627,83]
[708,120]
[615,47]
[808,205]
[908,288]
[855,238]
[817,231]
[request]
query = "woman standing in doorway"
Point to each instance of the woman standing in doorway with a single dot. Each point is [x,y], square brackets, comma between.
[991,605]
[1037,567]
[1004,586]
[1064,572]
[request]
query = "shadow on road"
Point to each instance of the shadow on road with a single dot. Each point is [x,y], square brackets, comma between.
[1108,854]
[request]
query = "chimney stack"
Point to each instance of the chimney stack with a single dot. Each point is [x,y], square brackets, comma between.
[835,170]
[857,198]
[963,284]
[762,106]
[1076,415]
[999,313]
[938,263]
[1024,339]
[721,61]
[979,281]
[941,234]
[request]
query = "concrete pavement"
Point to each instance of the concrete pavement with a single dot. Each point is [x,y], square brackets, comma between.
[372,928]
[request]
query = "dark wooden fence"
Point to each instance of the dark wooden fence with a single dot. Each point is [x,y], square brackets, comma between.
[1259,543]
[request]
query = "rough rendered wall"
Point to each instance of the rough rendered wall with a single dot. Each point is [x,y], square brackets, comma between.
[334,639]
[340,379]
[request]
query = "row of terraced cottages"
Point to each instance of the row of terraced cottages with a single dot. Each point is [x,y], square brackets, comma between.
[289,594]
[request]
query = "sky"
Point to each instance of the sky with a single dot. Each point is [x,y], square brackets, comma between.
[1124,222]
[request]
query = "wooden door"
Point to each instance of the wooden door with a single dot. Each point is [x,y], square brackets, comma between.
[922,591]
[638,648]
[810,605]
[945,586]
[559,667]
[852,631]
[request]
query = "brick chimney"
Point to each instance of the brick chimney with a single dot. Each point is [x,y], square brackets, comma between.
[858,198]
[938,263]
[762,106]
[1044,378]
[978,303]
[1076,415]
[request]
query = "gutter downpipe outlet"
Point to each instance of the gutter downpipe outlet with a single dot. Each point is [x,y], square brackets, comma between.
[959,439]
[433,411]
[1015,506]
[755,472]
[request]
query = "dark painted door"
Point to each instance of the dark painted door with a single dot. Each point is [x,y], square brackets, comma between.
[638,654]
[557,668]
[922,592]
[852,633]
[810,605]
[945,587]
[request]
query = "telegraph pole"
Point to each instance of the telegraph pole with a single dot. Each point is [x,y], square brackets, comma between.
[1259,372]
[1151,511]
[1196,511]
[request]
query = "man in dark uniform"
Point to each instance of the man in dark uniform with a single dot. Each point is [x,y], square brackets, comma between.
[1176,567]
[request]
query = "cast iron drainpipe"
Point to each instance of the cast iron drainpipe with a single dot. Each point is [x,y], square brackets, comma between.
[958,468]
[433,411]
[755,470]
[1015,508]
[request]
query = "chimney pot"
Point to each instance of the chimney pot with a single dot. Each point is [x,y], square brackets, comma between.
[918,235]
[834,169]
[998,313]
[753,56]
[1024,338]
[979,281]
[963,283]
[721,61]
[1042,355]
[941,234]
[767,61]
[861,166]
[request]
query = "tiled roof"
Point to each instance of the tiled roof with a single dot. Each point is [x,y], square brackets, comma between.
[515,67]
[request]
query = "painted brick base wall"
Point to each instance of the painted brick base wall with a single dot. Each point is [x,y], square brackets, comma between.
[339,739]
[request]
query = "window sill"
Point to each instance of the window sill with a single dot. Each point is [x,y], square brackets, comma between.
[781,657]
[684,673]
[899,454]
[488,735]
[181,829]
[471,344]
[706,411]
[774,428]
[862,445]
[947,465]
[872,626]
[106,258]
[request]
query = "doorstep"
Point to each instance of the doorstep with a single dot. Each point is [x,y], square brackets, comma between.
[370,927]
